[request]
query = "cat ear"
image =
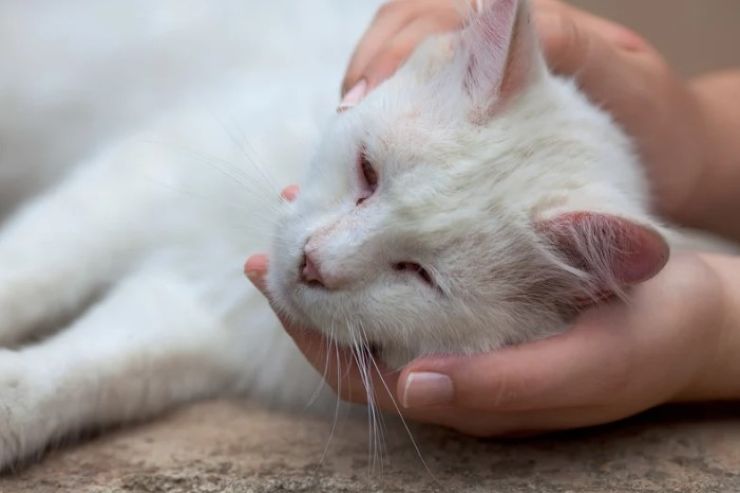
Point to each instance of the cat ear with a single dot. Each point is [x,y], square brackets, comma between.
[502,55]
[614,252]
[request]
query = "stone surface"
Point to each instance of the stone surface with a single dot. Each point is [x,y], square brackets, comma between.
[240,447]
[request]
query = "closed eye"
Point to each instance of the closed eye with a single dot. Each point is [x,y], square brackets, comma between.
[418,270]
[368,176]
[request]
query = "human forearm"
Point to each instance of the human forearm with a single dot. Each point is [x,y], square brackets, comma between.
[715,203]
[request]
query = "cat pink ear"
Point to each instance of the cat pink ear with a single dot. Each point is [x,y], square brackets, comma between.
[502,53]
[615,252]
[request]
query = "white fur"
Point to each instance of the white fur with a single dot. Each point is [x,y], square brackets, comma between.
[458,197]
[141,245]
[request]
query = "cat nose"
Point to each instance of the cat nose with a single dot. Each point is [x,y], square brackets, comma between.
[310,271]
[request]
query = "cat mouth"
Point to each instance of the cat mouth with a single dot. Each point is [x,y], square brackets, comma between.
[364,352]
[375,350]
[343,338]
[301,309]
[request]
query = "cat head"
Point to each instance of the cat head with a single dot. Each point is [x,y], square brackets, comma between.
[473,200]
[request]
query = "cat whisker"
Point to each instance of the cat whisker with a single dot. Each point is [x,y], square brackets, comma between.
[261,184]
[403,420]
[338,403]
[322,383]
[362,368]
[377,414]
[240,145]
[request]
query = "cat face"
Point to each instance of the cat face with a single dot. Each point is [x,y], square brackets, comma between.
[471,201]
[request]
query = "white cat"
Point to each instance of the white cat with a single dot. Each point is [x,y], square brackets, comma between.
[474,200]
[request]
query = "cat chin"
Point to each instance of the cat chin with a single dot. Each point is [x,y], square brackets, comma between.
[284,293]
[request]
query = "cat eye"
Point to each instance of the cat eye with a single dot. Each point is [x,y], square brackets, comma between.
[414,268]
[369,177]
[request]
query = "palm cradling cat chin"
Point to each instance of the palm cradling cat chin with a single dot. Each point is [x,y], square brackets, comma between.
[472,201]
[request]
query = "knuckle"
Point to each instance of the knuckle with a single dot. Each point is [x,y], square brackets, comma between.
[507,392]
[389,8]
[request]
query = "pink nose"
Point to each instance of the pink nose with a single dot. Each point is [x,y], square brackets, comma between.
[310,273]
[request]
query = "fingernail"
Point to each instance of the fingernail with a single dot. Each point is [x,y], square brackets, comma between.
[353,96]
[427,389]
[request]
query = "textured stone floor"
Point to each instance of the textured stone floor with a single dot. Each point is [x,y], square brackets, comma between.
[238,447]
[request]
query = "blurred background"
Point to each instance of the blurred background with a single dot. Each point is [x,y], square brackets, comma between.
[695,35]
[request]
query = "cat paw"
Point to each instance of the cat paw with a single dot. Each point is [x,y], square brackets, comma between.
[15,441]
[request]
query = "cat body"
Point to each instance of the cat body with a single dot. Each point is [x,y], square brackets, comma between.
[501,203]
[129,269]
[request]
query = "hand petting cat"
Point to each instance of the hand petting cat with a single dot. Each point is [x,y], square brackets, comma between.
[674,341]
[614,66]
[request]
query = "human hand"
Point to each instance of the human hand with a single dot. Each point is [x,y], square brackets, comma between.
[671,342]
[615,67]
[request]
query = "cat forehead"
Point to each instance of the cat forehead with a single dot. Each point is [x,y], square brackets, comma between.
[540,144]
[422,125]
[408,131]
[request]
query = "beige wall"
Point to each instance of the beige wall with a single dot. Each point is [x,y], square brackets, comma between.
[695,35]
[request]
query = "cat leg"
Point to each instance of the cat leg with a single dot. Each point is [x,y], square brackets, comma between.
[58,251]
[151,343]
